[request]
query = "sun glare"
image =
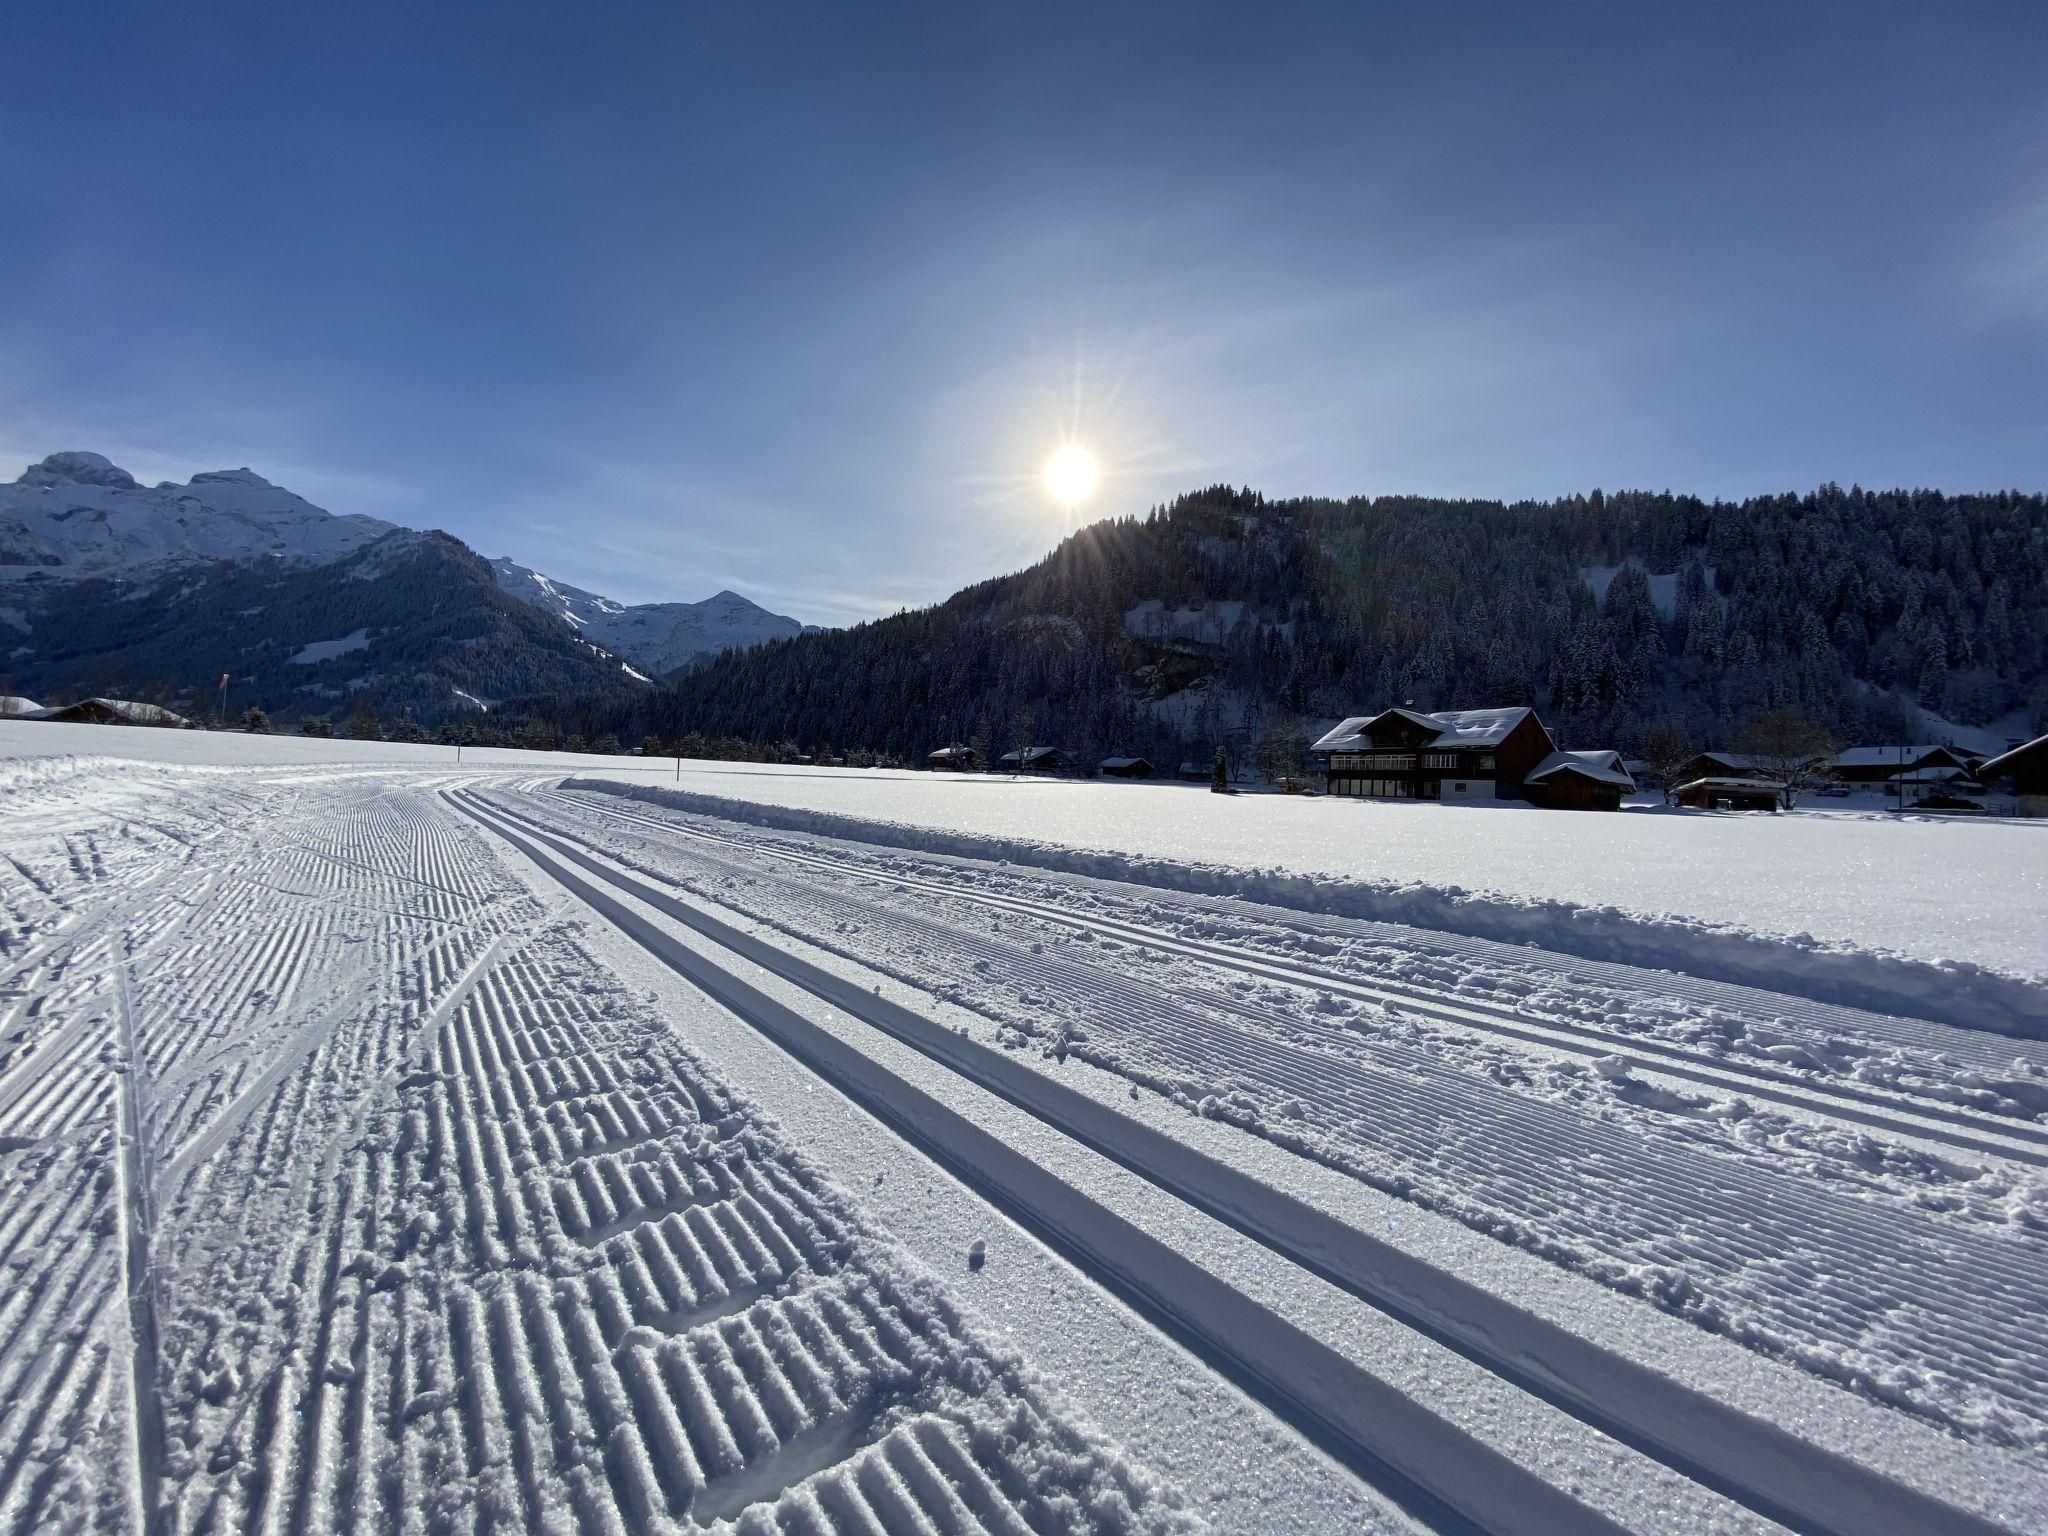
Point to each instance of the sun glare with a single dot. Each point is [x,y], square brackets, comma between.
[1072,474]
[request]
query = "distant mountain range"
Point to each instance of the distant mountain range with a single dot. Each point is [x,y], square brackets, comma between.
[110,586]
[658,638]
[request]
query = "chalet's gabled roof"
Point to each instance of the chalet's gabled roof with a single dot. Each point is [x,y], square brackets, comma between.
[1602,766]
[15,704]
[133,711]
[1764,786]
[1889,757]
[2008,760]
[1941,774]
[1123,762]
[1453,727]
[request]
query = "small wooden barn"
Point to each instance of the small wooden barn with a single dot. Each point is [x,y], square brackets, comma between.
[1125,768]
[1728,794]
[1579,781]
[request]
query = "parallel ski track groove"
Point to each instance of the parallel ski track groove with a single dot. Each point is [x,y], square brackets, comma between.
[1750,1224]
[519,828]
[1834,1100]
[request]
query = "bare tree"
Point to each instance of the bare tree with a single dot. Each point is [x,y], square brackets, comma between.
[1667,750]
[1281,749]
[1789,751]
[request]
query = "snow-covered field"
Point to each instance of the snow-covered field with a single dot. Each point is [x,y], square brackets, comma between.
[393,1145]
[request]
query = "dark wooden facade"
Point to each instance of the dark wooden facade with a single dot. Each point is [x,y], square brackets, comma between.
[2026,766]
[1402,755]
[1727,795]
[1571,790]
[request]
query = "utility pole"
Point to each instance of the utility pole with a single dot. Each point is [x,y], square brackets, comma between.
[223,700]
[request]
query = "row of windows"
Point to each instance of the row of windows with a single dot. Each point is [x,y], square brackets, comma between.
[1391,789]
[1406,761]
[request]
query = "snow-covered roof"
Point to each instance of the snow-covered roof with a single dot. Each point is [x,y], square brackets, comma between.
[1879,757]
[2006,761]
[1123,762]
[15,704]
[1762,786]
[129,709]
[1736,760]
[1601,765]
[1454,728]
[952,752]
[1941,775]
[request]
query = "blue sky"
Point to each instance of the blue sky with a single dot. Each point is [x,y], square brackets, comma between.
[667,298]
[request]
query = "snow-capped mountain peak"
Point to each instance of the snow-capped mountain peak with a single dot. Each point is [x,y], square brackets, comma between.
[78,515]
[655,637]
[77,468]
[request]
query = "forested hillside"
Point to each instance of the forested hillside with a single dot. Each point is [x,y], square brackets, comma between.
[1204,619]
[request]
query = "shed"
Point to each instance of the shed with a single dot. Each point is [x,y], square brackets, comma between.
[1126,768]
[954,759]
[1580,781]
[1728,794]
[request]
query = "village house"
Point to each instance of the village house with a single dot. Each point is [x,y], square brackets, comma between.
[954,759]
[1723,765]
[1466,755]
[1877,765]
[1035,760]
[109,712]
[1125,768]
[2027,767]
[1723,793]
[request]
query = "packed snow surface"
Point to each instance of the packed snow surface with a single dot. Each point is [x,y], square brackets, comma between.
[388,1144]
[1929,889]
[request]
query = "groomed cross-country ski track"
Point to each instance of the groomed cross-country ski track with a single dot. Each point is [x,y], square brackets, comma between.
[396,1148]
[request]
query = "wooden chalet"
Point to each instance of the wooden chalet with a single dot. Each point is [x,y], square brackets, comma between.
[1718,765]
[1035,760]
[98,711]
[1464,755]
[1728,794]
[1125,768]
[2027,767]
[954,759]
[1877,765]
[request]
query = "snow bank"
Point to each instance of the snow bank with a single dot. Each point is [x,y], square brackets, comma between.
[1863,907]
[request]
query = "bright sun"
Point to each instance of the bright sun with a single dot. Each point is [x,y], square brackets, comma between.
[1072,474]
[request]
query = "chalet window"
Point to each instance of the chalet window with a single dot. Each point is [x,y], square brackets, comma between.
[1458,789]
[1392,760]
[1439,759]
[1486,760]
